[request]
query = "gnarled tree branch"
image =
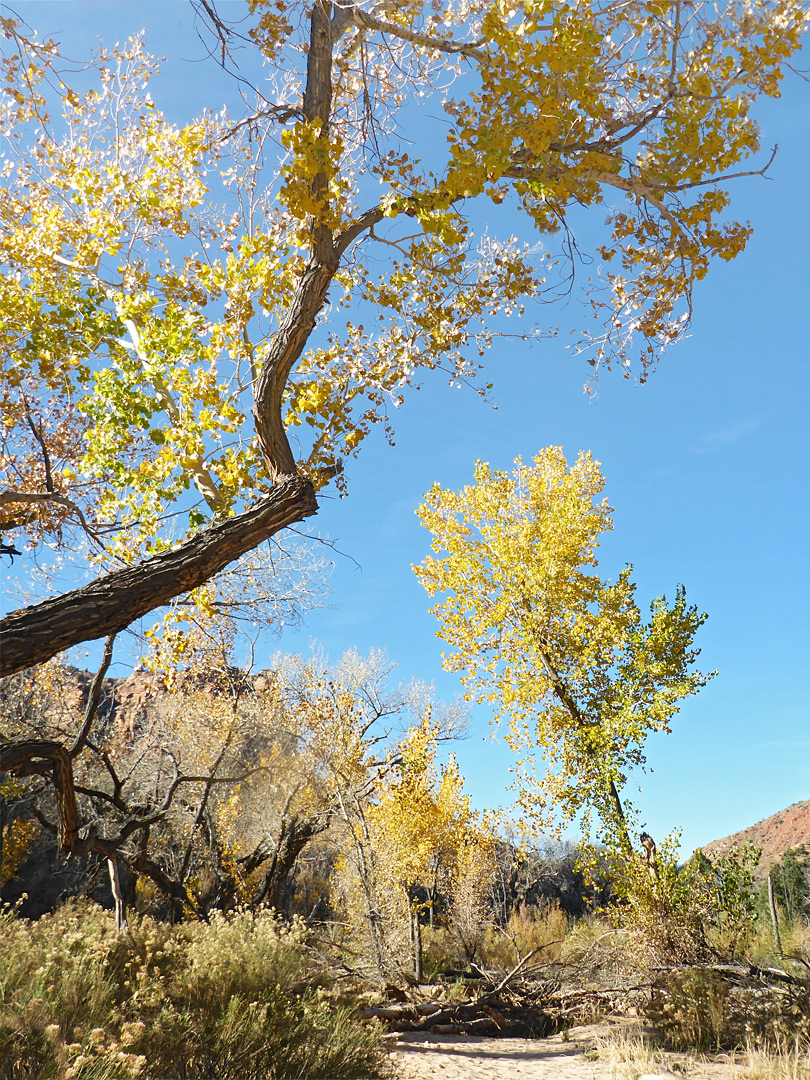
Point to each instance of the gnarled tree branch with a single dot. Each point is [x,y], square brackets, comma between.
[109,604]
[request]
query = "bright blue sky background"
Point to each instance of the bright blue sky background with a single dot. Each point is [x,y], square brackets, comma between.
[706,466]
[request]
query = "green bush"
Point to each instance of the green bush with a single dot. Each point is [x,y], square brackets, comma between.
[239,999]
[688,913]
[791,888]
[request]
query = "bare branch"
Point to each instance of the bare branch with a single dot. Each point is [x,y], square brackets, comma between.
[30,497]
[471,49]
[94,697]
[282,114]
[37,757]
[46,458]
[221,29]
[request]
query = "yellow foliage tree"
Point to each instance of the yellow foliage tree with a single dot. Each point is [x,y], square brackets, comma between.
[563,655]
[166,288]
[423,821]
[17,834]
[414,842]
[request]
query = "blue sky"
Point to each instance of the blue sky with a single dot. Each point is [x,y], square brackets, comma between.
[706,466]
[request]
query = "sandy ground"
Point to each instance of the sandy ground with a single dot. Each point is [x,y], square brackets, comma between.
[421,1056]
[425,1056]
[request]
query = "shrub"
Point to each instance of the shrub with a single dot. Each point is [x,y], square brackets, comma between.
[239,999]
[686,913]
[790,887]
[526,929]
[689,1009]
[733,917]
[439,951]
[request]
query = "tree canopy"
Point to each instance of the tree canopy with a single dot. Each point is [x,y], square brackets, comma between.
[562,654]
[203,321]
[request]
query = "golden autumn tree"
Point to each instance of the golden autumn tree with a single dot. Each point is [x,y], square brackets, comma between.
[563,655]
[423,821]
[202,320]
[322,744]
[413,841]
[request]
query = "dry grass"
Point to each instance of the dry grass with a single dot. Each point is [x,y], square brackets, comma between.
[631,1053]
[501,947]
[783,1063]
[525,930]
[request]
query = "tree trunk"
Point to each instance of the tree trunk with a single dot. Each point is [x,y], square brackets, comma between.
[418,963]
[295,835]
[37,757]
[170,888]
[118,895]
[35,634]
[298,322]
[774,917]
[415,928]
[111,603]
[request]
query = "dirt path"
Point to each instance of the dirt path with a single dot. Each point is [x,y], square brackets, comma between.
[420,1056]
[425,1056]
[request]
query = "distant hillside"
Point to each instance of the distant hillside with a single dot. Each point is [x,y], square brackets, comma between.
[788,828]
[124,701]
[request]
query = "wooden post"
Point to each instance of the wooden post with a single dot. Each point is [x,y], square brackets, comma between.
[774,917]
[418,966]
[120,906]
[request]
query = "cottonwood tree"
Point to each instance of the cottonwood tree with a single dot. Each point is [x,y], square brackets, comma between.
[214,789]
[322,733]
[581,679]
[146,795]
[142,795]
[348,725]
[201,321]
[411,838]
[563,655]
[427,839]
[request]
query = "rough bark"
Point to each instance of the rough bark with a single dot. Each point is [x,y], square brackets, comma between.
[35,757]
[295,329]
[109,604]
[141,864]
